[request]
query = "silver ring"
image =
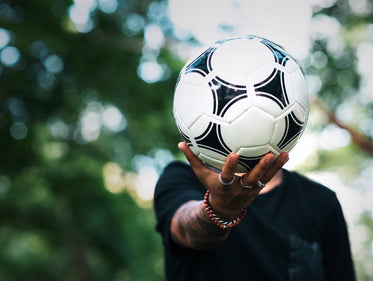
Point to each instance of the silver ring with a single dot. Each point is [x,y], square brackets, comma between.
[249,186]
[259,184]
[226,183]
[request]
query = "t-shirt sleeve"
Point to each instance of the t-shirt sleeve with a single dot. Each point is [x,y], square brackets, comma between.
[337,257]
[176,186]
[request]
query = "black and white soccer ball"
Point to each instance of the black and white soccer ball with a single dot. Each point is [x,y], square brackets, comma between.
[245,95]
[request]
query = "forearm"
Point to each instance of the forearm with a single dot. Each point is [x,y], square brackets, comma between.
[191,227]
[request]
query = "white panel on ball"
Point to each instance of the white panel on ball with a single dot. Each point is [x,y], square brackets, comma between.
[253,128]
[201,125]
[267,105]
[278,131]
[257,150]
[236,60]
[299,112]
[227,137]
[301,90]
[193,99]
[217,160]
[291,66]
[262,72]
[236,109]
[180,124]
[297,89]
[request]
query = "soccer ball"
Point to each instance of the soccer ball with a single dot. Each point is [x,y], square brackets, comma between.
[245,95]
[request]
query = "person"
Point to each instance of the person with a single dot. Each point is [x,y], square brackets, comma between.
[267,224]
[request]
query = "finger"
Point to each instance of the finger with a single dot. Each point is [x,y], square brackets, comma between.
[229,167]
[259,170]
[275,167]
[194,161]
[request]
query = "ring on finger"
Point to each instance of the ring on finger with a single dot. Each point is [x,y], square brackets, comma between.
[226,183]
[249,186]
[259,184]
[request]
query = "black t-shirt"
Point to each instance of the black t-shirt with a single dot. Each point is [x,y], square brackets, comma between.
[295,232]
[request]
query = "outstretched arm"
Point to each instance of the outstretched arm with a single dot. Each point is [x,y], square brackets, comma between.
[191,226]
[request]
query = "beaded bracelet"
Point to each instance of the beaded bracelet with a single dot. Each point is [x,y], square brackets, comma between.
[219,221]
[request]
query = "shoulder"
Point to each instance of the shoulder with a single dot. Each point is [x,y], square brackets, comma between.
[178,166]
[177,171]
[307,184]
[178,177]
[314,200]
[310,190]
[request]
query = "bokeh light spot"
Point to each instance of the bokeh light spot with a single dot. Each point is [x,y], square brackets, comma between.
[4,37]
[18,130]
[113,119]
[10,56]
[54,64]
[108,6]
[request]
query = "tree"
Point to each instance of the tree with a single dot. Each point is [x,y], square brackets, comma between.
[72,102]
[341,62]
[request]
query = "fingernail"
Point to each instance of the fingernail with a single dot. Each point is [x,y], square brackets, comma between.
[232,161]
[269,160]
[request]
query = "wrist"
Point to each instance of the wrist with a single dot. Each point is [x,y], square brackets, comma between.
[222,221]
[221,208]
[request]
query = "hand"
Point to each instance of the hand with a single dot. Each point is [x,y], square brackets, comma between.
[228,201]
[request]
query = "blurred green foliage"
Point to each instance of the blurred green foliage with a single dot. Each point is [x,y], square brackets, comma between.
[58,219]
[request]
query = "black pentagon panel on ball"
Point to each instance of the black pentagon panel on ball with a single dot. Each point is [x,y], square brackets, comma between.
[254,37]
[274,88]
[185,136]
[202,64]
[225,93]
[281,57]
[178,80]
[222,41]
[293,129]
[249,162]
[211,139]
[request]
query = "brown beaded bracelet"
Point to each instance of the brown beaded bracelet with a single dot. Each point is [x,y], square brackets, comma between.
[219,221]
